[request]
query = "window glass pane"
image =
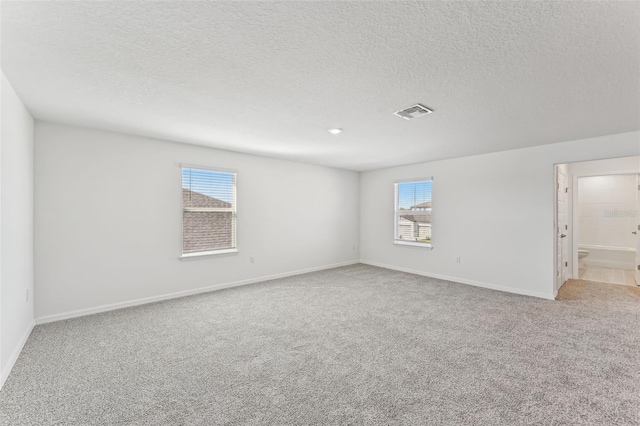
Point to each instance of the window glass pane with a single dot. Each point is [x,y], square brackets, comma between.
[413,211]
[414,195]
[208,217]
[207,231]
[208,188]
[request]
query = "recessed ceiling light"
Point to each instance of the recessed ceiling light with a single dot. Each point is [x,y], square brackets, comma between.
[335,131]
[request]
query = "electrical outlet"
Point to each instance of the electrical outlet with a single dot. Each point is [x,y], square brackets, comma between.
[354,247]
[458,260]
[252,259]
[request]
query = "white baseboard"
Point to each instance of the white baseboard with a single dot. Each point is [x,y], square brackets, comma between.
[549,296]
[16,353]
[113,306]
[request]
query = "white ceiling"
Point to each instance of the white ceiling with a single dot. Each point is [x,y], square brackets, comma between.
[270,78]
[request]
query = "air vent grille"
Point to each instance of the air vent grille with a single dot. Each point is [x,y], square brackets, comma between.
[414,111]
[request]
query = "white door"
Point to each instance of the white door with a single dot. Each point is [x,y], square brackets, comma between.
[563,220]
[637,231]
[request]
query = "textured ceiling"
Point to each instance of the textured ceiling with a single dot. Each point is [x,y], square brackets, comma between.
[270,78]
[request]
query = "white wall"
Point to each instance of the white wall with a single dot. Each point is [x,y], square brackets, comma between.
[16,227]
[610,166]
[108,219]
[605,207]
[495,211]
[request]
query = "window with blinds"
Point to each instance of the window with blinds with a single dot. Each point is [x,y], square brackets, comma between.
[208,211]
[413,213]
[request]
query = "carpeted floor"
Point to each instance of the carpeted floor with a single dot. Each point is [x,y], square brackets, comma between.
[353,345]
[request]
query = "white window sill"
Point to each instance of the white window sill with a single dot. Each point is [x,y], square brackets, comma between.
[414,244]
[203,254]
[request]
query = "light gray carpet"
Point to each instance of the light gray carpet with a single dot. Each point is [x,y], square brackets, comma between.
[353,345]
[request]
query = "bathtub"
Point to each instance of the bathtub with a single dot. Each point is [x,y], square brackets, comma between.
[609,257]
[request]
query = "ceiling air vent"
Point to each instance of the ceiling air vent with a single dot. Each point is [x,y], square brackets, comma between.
[413,112]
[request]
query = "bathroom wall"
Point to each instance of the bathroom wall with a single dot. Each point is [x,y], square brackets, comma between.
[607,210]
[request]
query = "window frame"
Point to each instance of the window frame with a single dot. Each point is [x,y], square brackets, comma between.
[234,210]
[397,212]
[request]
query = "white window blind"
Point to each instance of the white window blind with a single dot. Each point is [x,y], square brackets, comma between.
[208,211]
[413,207]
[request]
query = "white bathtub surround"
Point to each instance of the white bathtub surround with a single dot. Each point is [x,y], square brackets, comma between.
[608,257]
[608,275]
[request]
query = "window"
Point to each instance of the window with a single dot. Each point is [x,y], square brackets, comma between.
[413,213]
[208,212]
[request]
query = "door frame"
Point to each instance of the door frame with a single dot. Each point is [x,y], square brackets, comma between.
[637,230]
[631,167]
[566,270]
[570,249]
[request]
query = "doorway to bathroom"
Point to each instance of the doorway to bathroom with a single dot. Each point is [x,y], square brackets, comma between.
[597,222]
[607,228]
